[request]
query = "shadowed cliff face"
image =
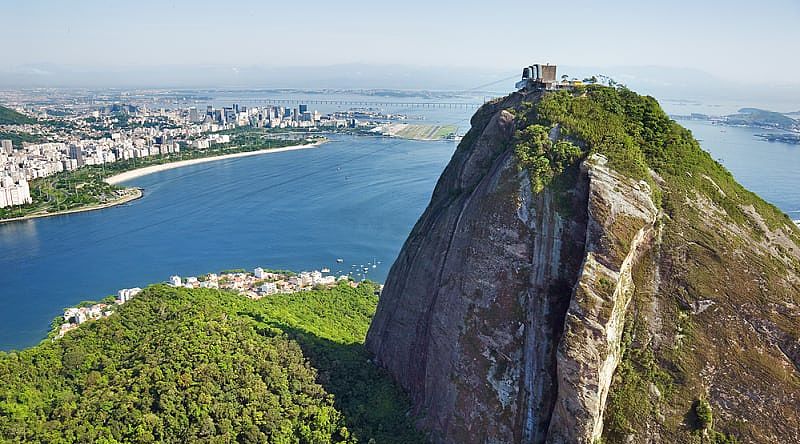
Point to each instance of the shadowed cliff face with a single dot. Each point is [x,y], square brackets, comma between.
[505,312]
[472,315]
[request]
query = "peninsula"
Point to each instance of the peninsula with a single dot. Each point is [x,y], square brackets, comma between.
[75,161]
[756,118]
[89,153]
[143,171]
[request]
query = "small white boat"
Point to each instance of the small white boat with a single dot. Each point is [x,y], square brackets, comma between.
[326,270]
[339,260]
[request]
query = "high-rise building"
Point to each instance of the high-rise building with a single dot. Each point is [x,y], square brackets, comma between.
[7,146]
[14,192]
[230,115]
[303,108]
[76,152]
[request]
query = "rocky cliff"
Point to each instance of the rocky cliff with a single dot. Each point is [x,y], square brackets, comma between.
[610,297]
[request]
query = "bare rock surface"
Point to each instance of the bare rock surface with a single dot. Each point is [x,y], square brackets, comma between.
[503,315]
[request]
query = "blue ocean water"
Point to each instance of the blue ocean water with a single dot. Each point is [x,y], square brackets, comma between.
[354,198]
[769,169]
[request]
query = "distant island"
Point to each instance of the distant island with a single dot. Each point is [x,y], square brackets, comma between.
[757,118]
[791,138]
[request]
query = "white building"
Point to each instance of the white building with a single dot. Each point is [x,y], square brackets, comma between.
[126,294]
[326,280]
[209,284]
[175,281]
[259,273]
[71,314]
[200,144]
[14,192]
[268,288]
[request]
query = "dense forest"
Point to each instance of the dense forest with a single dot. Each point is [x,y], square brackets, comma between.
[201,365]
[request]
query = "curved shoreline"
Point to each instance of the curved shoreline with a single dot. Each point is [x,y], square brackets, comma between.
[144,171]
[136,193]
[133,194]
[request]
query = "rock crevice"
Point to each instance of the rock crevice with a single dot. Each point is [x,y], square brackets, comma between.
[500,310]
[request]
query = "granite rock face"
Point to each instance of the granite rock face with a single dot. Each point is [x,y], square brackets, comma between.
[503,315]
[472,318]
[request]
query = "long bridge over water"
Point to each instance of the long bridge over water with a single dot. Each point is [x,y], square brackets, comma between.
[466,105]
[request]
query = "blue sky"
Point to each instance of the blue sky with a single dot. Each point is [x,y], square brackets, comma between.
[722,38]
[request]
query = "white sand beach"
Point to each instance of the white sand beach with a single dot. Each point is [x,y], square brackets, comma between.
[139,172]
[131,195]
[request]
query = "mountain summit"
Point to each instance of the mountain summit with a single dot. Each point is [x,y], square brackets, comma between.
[586,273]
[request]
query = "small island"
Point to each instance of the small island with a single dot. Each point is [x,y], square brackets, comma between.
[786,123]
[790,138]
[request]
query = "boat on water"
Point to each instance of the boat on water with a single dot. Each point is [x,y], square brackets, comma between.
[339,260]
[326,270]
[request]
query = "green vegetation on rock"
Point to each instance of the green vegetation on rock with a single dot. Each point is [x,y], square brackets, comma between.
[716,239]
[636,136]
[541,157]
[178,365]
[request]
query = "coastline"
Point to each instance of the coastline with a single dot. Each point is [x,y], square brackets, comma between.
[133,194]
[144,171]
[136,193]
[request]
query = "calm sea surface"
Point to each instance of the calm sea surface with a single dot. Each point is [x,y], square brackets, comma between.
[355,198]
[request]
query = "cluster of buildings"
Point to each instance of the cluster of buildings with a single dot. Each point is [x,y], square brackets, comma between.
[260,282]
[255,285]
[261,117]
[123,132]
[75,316]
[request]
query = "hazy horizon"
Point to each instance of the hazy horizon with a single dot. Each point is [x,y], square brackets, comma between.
[680,49]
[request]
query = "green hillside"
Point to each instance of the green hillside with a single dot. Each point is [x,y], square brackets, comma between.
[178,365]
[717,240]
[11,117]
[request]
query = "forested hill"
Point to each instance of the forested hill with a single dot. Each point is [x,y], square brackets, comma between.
[11,117]
[178,365]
